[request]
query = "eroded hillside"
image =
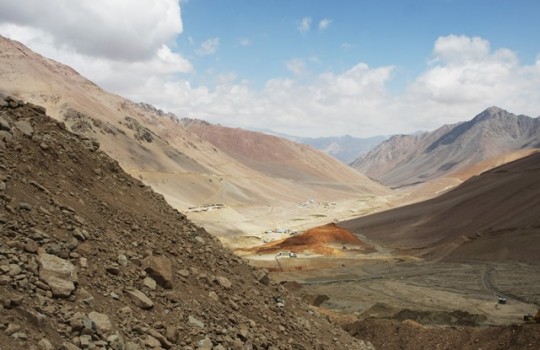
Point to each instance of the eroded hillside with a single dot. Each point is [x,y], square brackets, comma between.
[93,258]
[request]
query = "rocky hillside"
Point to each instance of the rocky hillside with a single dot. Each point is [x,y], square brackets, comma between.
[404,160]
[490,217]
[156,148]
[91,258]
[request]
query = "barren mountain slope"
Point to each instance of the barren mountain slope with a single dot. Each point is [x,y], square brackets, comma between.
[493,216]
[406,159]
[437,186]
[280,158]
[151,144]
[92,258]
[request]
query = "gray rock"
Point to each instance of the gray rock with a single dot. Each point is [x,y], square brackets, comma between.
[122,260]
[4,125]
[12,328]
[223,282]
[213,295]
[262,277]
[20,335]
[31,246]
[151,342]
[78,234]
[25,206]
[85,340]
[150,283]
[14,270]
[204,344]
[69,346]
[5,136]
[131,346]
[140,299]
[45,344]
[183,273]
[193,321]
[162,340]
[116,341]
[25,127]
[160,269]
[102,322]
[59,274]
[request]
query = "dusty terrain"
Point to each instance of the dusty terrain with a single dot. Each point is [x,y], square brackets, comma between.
[437,269]
[402,302]
[91,258]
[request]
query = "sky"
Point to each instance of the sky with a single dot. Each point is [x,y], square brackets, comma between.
[301,67]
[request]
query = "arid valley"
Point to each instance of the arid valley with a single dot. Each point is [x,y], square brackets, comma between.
[127,227]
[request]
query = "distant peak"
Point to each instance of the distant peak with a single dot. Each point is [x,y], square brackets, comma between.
[495,109]
[490,113]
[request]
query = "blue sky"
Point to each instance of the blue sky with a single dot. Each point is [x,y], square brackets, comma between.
[306,68]
[258,38]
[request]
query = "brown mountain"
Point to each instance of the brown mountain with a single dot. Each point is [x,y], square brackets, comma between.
[278,157]
[155,147]
[405,160]
[493,216]
[91,258]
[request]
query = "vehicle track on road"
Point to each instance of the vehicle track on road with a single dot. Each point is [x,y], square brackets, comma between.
[488,285]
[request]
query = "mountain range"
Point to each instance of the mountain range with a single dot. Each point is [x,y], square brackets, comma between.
[405,160]
[345,148]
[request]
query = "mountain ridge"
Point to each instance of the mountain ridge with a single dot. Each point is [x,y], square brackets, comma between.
[405,160]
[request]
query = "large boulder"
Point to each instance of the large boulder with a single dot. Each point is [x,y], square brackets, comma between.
[160,269]
[59,274]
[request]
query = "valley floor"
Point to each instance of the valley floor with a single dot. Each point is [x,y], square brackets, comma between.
[382,283]
[442,293]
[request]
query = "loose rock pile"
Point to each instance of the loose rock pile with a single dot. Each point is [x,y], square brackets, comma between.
[91,258]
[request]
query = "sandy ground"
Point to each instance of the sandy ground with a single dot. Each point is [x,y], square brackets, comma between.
[384,283]
[248,226]
[383,287]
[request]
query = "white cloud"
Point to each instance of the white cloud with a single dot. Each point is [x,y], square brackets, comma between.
[357,101]
[120,29]
[463,77]
[465,71]
[119,49]
[208,47]
[245,42]
[460,49]
[304,25]
[296,66]
[325,23]
[347,46]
